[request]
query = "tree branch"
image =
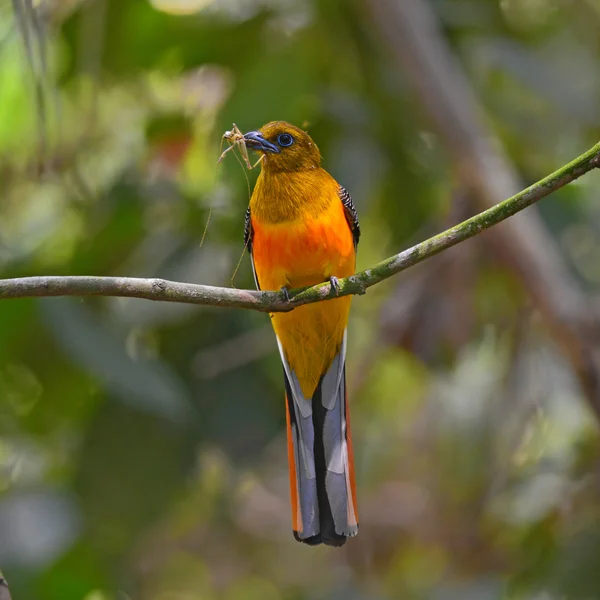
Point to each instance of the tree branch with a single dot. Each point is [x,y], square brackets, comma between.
[169,291]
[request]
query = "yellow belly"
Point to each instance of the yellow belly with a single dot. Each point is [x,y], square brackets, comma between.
[311,336]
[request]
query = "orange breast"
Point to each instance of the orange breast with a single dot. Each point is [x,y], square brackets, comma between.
[299,253]
[305,251]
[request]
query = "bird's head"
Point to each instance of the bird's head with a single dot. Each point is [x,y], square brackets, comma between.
[284,146]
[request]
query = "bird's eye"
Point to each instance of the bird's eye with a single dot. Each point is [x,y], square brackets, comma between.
[285,140]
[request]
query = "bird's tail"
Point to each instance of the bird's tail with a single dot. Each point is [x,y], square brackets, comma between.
[323,492]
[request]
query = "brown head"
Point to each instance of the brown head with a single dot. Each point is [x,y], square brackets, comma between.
[285,147]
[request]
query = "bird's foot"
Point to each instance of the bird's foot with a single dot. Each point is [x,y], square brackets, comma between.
[286,293]
[335,285]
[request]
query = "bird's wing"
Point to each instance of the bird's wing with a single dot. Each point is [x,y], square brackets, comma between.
[248,243]
[351,214]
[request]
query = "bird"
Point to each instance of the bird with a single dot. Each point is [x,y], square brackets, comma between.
[301,228]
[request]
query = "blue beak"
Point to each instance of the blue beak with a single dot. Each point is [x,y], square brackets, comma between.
[256,141]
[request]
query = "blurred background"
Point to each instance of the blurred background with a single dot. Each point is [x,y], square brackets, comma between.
[142,445]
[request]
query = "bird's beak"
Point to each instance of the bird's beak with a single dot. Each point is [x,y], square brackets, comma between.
[256,141]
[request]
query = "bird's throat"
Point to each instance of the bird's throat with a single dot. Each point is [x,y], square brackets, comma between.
[287,196]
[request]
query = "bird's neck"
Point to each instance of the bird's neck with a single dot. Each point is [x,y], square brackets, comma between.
[282,196]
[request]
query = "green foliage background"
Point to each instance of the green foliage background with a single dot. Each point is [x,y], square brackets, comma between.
[142,446]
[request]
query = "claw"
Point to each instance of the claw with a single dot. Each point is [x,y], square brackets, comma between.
[335,285]
[286,293]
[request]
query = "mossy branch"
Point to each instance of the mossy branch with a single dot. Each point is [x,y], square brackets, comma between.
[169,291]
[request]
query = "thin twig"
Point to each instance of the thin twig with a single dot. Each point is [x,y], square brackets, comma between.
[159,289]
